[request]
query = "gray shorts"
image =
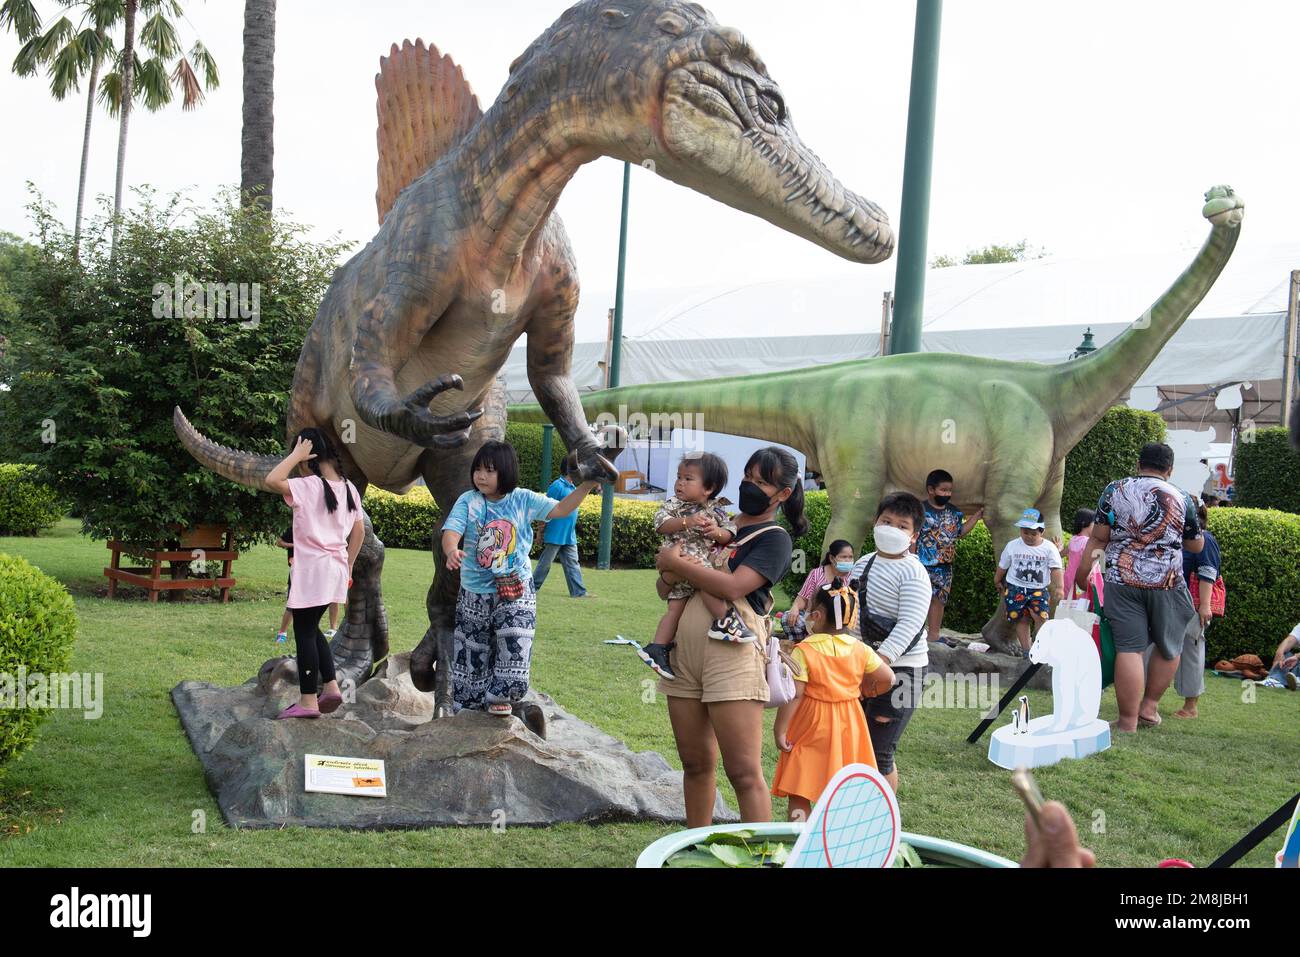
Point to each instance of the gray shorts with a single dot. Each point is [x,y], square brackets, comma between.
[1149,616]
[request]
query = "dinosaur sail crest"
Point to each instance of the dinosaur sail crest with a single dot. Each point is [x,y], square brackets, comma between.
[425,106]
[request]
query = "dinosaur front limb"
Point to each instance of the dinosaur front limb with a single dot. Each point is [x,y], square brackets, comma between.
[379,406]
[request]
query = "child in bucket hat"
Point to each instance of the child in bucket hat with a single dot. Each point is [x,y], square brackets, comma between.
[1029,576]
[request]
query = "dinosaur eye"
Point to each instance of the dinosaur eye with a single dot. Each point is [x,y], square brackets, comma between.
[771,107]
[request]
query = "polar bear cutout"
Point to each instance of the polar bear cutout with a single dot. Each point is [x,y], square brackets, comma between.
[1076,673]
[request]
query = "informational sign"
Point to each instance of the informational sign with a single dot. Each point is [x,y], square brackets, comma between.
[329,774]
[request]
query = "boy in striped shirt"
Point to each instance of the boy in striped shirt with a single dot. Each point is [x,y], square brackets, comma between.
[894,590]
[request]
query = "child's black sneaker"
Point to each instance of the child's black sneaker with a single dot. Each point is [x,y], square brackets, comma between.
[656,656]
[731,628]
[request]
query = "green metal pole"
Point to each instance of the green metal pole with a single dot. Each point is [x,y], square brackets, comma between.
[615,351]
[547,431]
[914,220]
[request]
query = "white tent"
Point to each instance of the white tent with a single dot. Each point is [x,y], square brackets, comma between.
[1036,311]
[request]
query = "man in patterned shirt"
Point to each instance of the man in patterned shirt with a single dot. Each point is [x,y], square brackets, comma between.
[1144,523]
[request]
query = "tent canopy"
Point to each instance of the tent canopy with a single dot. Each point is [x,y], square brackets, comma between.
[1034,311]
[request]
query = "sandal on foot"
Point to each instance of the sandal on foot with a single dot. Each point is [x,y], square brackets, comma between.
[329,703]
[501,709]
[297,711]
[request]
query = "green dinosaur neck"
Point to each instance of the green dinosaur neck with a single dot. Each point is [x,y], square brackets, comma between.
[764,407]
[1098,381]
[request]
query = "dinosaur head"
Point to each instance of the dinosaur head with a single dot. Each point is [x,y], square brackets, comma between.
[659,83]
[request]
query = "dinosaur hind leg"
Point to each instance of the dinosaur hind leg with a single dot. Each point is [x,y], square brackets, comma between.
[446,472]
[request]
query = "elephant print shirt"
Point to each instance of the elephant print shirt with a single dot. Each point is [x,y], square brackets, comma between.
[497,535]
[1149,520]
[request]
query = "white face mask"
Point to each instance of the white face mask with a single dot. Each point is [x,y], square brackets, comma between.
[890,540]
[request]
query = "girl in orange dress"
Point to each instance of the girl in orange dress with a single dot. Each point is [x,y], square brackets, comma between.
[823,728]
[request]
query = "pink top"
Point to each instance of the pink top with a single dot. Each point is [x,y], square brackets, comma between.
[320,541]
[1077,544]
[816,578]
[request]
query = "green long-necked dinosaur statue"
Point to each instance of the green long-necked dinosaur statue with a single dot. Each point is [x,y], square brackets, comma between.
[400,366]
[1003,429]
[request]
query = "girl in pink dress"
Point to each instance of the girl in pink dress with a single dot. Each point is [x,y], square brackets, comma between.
[327,536]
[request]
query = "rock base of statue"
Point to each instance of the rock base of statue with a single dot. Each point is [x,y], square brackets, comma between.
[964,662]
[1040,746]
[471,769]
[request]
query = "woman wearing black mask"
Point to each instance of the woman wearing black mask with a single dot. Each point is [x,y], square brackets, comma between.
[721,689]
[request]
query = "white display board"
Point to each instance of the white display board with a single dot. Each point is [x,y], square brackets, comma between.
[331,774]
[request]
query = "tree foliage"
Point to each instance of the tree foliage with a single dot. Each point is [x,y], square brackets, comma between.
[106,350]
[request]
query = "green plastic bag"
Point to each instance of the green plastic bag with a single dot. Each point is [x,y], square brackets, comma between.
[1107,642]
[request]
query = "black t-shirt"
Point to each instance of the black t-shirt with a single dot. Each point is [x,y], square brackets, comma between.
[768,554]
[288,537]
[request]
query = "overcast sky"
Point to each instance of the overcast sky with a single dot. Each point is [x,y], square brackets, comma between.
[1083,128]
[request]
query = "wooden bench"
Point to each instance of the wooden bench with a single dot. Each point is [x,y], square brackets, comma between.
[205,543]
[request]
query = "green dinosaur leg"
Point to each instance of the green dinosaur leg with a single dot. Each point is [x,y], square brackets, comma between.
[853,498]
[446,472]
[1019,477]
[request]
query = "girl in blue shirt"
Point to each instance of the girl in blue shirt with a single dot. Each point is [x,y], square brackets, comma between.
[496,611]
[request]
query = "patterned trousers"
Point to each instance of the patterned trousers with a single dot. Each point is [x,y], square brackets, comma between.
[493,648]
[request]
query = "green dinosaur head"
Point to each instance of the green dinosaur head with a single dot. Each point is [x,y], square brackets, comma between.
[659,83]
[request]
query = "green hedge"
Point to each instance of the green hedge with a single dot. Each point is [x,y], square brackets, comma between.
[526,438]
[1268,472]
[37,629]
[27,507]
[1108,452]
[1261,560]
[402,521]
[1261,571]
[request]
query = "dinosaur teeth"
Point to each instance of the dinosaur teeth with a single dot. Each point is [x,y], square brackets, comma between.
[802,188]
[830,214]
[795,177]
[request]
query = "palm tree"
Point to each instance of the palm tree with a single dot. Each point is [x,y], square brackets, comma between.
[70,52]
[257,147]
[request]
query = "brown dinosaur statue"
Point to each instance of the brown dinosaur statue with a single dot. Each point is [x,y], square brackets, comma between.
[400,366]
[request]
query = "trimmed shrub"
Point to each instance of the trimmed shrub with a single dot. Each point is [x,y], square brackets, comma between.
[1268,472]
[38,626]
[1261,571]
[403,521]
[808,548]
[526,437]
[974,599]
[26,506]
[1108,452]
[633,542]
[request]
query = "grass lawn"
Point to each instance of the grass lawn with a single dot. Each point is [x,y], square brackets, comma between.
[124,789]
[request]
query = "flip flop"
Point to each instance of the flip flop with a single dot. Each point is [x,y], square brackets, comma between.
[297,711]
[1148,723]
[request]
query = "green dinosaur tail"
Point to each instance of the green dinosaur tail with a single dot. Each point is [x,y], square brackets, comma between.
[762,406]
[1083,389]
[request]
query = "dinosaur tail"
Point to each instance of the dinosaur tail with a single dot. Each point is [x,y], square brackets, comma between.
[761,406]
[1085,388]
[246,468]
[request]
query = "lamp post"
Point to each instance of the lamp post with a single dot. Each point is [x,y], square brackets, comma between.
[615,352]
[914,219]
[1085,346]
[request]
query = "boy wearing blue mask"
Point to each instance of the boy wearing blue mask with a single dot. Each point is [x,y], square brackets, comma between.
[936,546]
